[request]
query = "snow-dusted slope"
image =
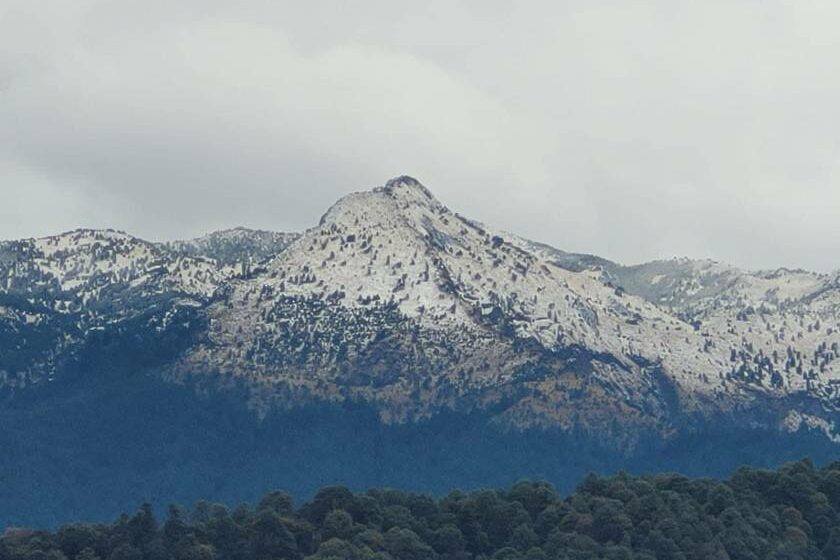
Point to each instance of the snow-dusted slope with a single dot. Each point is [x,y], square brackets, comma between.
[780,326]
[396,301]
[80,265]
[55,291]
[393,298]
[234,247]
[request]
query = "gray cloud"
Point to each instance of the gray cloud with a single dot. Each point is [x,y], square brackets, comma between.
[632,130]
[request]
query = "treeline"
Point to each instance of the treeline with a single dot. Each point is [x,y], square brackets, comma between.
[791,513]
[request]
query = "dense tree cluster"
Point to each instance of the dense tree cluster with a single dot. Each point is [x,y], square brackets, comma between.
[792,513]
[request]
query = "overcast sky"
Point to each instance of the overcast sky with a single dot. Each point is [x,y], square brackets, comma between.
[633,130]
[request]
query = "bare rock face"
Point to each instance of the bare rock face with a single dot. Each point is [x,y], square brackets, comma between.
[395,301]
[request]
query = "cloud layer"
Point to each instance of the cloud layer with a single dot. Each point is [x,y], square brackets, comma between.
[631,130]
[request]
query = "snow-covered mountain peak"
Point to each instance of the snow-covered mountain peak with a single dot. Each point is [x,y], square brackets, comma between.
[409,190]
[397,255]
[401,201]
[394,299]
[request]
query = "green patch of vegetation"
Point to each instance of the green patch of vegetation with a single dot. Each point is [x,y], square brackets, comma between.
[790,513]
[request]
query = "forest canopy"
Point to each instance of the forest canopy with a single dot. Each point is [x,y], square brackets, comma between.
[790,513]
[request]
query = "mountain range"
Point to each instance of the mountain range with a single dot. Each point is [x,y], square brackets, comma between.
[395,309]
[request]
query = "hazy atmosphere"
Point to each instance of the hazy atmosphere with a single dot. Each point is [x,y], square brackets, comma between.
[631,130]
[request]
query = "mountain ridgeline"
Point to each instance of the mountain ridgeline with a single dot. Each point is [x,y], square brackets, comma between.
[394,343]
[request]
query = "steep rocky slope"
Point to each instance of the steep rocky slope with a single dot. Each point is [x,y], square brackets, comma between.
[779,327]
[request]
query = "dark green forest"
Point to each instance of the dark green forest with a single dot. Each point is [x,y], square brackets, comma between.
[100,442]
[790,513]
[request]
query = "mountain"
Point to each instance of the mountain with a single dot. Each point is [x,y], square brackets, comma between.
[392,328]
